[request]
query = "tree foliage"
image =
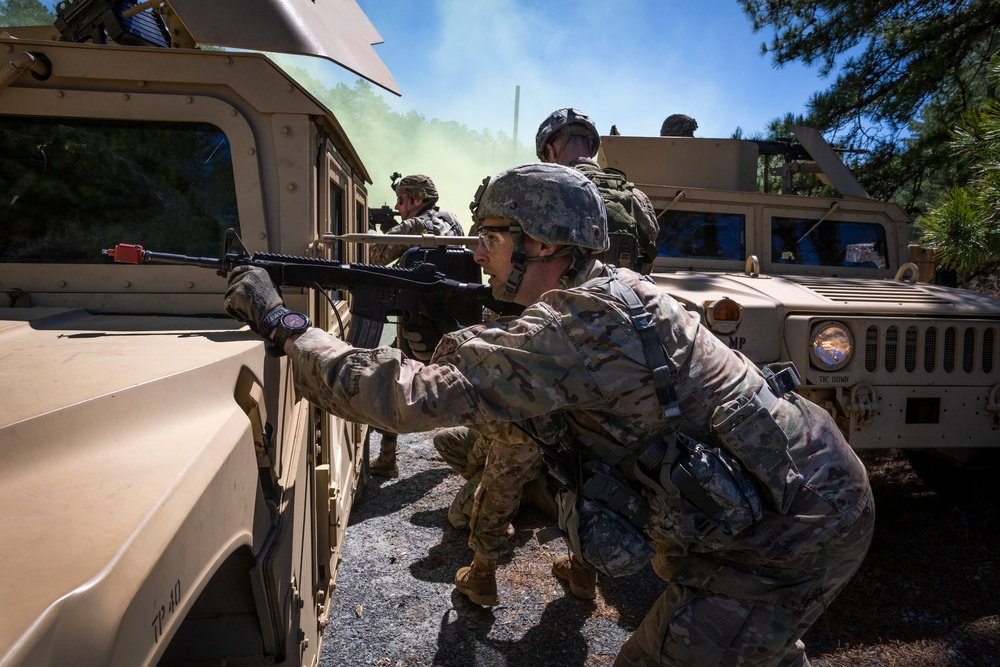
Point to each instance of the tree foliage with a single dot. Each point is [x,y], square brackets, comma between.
[964,223]
[905,71]
[24,12]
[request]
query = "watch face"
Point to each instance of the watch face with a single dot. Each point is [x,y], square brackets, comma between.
[294,321]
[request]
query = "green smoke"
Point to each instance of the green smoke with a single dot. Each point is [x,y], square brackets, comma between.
[453,155]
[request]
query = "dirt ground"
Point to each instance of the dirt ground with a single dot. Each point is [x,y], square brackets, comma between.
[928,593]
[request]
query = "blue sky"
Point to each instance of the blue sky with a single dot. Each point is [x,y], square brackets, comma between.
[631,63]
[626,62]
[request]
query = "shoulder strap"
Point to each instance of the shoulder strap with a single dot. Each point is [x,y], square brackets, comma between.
[656,356]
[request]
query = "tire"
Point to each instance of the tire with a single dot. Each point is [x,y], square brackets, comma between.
[964,477]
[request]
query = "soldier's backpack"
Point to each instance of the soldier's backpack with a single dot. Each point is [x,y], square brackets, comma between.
[623,231]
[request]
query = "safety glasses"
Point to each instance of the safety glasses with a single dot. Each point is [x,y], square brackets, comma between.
[491,237]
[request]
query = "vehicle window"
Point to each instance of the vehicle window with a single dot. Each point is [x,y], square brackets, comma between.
[828,243]
[71,187]
[693,234]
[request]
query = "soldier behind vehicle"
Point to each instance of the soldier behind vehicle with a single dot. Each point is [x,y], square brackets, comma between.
[568,137]
[678,125]
[416,196]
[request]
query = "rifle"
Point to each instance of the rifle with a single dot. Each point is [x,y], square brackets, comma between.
[378,291]
[383,218]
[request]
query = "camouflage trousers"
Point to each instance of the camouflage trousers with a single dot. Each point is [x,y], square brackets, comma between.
[495,488]
[465,452]
[731,609]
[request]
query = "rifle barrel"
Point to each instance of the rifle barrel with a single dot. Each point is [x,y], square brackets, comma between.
[404,239]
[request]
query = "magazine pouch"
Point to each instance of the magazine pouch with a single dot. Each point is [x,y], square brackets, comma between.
[746,429]
[601,522]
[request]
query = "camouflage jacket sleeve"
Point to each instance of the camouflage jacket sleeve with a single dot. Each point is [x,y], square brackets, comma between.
[384,253]
[561,354]
[645,218]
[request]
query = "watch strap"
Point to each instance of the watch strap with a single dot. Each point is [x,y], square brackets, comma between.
[281,333]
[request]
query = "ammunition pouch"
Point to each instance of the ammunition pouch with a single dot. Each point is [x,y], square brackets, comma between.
[605,518]
[603,523]
[717,500]
[746,428]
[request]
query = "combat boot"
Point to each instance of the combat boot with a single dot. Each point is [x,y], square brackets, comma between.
[479,581]
[384,465]
[582,581]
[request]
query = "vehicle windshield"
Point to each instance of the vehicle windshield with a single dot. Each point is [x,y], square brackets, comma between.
[72,187]
[828,243]
[696,234]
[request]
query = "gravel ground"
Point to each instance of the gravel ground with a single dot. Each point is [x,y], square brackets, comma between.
[926,595]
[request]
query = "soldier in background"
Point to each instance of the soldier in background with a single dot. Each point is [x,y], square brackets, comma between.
[678,125]
[602,358]
[506,476]
[416,197]
[568,137]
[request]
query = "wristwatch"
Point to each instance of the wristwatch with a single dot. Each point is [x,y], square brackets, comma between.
[289,324]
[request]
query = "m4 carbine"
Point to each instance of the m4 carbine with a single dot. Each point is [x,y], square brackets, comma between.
[378,291]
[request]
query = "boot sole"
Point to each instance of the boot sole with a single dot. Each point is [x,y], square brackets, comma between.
[483,600]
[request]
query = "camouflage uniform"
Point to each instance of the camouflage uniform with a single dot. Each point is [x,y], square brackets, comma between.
[432,220]
[575,354]
[465,451]
[642,209]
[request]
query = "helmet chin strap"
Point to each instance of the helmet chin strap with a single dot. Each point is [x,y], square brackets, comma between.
[520,263]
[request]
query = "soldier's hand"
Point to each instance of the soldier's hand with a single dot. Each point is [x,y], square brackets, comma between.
[422,337]
[254,299]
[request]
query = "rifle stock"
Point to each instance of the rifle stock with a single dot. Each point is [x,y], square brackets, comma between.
[378,291]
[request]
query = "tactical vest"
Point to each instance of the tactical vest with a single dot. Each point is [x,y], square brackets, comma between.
[432,215]
[709,492]
[623,231]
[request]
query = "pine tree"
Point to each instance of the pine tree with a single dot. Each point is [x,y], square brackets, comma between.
[963,225]
[905,71]
[24,12]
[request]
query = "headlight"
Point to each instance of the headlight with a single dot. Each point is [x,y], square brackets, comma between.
[831,346]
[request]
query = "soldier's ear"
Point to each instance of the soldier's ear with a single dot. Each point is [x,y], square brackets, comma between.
[546,249]
[550,152]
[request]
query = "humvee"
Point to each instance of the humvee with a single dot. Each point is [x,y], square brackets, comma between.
[827,283]
[167,498]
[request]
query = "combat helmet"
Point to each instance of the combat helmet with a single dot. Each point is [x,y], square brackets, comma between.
[554,204]
[417,186]
[574,121]
[678,125]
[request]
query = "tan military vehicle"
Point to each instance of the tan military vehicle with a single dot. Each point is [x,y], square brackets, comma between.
[826,283]
[167,498]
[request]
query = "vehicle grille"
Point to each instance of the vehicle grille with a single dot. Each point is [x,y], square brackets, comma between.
[958,347]
[870,291]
